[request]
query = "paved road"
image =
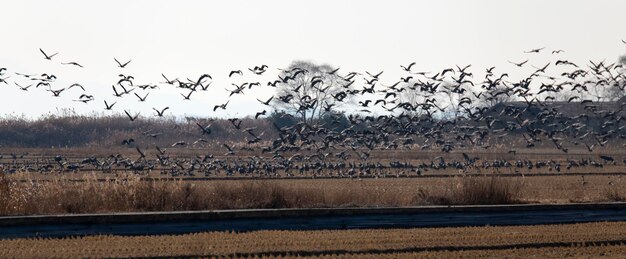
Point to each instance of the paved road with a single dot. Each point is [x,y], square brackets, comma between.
[305,219]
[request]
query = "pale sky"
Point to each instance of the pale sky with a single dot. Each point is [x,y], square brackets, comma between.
[190,38]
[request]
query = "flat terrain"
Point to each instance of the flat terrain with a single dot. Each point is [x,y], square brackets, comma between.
[131,193]
[557,241]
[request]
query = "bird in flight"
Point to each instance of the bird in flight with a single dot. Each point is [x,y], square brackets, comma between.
[557,51]
[223,106]
[48,57]
[161,112]
[72,63]
[518,64]
[132,118]
[107,106]
[624,41]
[407,68]
[76,85]
[534,50]
[120,63]
[376,75]
[235,72]
[23,88]
[266,102]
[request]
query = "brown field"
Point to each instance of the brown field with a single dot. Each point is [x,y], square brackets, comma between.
[130,193]
[587,240]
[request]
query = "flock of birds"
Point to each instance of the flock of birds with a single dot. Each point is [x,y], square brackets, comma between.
[441,111]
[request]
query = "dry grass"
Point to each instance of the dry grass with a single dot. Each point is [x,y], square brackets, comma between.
[130,193]
[589,240]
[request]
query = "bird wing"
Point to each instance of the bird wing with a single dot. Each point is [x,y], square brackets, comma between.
[41,50]
[128,114]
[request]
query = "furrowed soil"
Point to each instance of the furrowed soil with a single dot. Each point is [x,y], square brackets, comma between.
[588,240]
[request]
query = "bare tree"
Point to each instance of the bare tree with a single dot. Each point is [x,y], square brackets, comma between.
[310,90]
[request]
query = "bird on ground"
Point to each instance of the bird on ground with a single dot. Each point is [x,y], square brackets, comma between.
[179,143]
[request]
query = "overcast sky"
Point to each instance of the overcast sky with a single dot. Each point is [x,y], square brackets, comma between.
[190,38]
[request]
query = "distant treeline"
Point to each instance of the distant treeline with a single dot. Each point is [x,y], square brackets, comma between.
[73,130]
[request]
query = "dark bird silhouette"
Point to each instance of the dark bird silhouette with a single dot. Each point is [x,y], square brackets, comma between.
[258,70]
[119,64]
[408,68]
[238,72]
[167,81]
[557,51]
[266,102]
[76,85]
[230,150]
[23,88]
[518,64]
[141,154]
[222,106]
[161,112]
[534,50]
[107,106]
[201,78]
[142,99]
[259,114]
[376,75]
[56,93]
[72,63]
[48,57]
[132,118]
[205,129]
[188,96]
[116,93]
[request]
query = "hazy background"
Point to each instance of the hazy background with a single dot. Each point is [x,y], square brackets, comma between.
[189,38]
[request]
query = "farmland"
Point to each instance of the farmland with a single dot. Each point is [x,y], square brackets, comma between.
[577,240]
